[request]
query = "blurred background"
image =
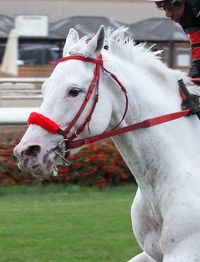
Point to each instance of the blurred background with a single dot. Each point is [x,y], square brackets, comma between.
[32,35]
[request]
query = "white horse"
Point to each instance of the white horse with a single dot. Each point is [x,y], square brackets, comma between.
[165,159]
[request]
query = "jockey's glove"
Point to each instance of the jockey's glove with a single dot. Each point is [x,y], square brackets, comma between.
[192,102]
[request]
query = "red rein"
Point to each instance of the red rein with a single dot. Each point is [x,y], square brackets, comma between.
[52,127]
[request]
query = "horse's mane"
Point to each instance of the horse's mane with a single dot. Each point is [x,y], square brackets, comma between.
[122,45]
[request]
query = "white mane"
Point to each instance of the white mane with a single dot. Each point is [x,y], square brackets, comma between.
[124,46]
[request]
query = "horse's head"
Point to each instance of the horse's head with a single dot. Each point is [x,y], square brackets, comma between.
[71,86]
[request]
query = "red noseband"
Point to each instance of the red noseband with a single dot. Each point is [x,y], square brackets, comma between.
[43,121]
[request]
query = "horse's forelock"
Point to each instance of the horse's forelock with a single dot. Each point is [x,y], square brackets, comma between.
[79,46]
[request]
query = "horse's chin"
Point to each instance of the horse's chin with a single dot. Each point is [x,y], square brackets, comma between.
[37,170]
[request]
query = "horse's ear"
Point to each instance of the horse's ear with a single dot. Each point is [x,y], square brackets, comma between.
[96,44]
[71,39]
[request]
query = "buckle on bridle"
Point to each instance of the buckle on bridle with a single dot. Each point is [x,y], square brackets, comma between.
[63,153]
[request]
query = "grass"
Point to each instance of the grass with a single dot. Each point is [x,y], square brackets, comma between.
[56,223]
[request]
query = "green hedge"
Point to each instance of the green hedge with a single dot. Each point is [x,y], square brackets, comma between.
[97,164]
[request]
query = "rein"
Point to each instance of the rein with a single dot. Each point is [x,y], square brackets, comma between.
[144,124]
[54,128]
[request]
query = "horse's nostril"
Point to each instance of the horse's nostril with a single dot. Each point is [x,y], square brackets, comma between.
[31,151]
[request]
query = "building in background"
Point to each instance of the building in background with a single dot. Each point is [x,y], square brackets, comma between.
[42,26]
[127,11]
[141,15]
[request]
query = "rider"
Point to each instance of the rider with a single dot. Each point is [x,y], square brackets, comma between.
[187,14]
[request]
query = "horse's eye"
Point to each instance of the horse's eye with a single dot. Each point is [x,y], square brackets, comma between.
[74,92]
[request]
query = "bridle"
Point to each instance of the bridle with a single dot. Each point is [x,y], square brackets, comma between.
[52,127]
[68,141]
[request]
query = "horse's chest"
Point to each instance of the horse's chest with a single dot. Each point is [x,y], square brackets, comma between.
[147,223]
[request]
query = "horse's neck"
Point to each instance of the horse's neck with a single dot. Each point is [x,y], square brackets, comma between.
[161,149]
[148,93]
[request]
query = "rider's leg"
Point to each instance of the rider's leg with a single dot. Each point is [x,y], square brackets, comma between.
[143,257]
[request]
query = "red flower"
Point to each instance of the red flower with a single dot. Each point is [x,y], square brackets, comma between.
[27,180]
[98,164]
[102,182]
[2,152]
[90,158]
[63,170]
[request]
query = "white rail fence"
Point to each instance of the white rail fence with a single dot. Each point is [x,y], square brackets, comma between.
[15,80]
[15,115]
[17,91]
[20,91]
